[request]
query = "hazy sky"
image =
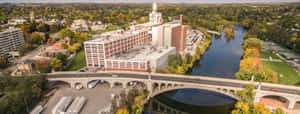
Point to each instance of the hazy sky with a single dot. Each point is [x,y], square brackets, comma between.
[146,1]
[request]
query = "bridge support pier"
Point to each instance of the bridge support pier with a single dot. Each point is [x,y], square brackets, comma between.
[149,87]
[112,84]
[124,85]
[291,104]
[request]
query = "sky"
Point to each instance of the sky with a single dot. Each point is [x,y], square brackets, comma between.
[147,1]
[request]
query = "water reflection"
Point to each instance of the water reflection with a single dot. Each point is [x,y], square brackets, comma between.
[221,60]
[210,103]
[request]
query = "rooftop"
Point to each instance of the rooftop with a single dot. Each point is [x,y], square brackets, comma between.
[114,37]
[141,53]
[10,29]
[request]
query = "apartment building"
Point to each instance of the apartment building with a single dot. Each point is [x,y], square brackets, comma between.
[10,40]
[98,50]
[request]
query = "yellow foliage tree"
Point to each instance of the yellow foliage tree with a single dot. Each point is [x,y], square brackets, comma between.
[251,53]
[180,70]
[122,111]
[249,64]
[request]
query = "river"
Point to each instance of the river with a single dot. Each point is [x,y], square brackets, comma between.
[222,59]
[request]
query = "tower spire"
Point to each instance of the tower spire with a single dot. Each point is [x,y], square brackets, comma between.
[154,6]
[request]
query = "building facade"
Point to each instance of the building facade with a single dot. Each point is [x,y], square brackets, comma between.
[99,52]
[172,34]
[145,47]
[10,40]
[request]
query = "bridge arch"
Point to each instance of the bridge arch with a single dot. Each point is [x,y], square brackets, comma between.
[60,82]
[275,101]
[101,82]
[135,83]
[220,91]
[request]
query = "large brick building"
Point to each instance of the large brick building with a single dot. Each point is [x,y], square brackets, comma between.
[100,49]
[145,47]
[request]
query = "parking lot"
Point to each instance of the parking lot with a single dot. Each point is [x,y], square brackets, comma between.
[97,98]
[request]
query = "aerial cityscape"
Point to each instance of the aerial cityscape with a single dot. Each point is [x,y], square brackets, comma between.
[149,57]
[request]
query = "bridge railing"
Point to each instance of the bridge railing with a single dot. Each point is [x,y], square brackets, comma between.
[184,76]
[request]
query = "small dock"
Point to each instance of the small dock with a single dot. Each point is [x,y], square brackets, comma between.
[213,32]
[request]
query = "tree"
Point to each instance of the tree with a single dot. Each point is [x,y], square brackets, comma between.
[56,64]
[251,53]
[21,50]
[253,43]
[72,49]
[247,94]
[241,108]
[77,46]
[122,111]
[4,62]
[279,111]
[66,33]
[229,32]
[36,39]
[249,64]
[62,57]
[43,66]
[42,28]
[64,46]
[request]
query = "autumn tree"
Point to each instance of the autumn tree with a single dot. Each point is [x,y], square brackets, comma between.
[56,64]
[38,38]
[251,43]
[251,53]
[249,64]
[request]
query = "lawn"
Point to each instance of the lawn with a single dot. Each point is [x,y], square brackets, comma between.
[267,55]
[290,76]
[78,62]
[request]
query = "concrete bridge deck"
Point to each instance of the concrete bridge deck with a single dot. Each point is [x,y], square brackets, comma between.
[157,83]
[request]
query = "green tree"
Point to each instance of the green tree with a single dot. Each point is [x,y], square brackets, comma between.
[56,64]
[64,46]
[42,28]
[66,33]
[279,111]
[4,62]
[37,39]
[62,57]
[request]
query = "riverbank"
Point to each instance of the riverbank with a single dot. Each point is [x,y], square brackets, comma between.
[182,63]
[265,66]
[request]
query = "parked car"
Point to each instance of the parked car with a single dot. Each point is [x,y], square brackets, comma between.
[274,89]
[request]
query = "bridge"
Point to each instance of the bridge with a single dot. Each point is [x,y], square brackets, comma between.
[157,83]
[213,32]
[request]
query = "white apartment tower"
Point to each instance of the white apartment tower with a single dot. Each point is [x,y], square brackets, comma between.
[155,17]
[10,40]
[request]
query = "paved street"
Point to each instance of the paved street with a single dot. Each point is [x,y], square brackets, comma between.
[97,98]
[172,78]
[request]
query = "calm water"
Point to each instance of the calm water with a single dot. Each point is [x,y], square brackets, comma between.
[221,60]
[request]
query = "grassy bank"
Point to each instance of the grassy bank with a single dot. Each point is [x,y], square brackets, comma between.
[266,55]
[289,75]
[78,62]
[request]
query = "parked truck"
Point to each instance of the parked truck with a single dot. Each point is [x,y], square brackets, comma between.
[77,105]
[62,105]
[93,84]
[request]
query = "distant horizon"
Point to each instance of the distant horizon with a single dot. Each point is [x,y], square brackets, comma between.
[150,1]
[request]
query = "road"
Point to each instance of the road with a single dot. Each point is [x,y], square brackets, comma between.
[172,78]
